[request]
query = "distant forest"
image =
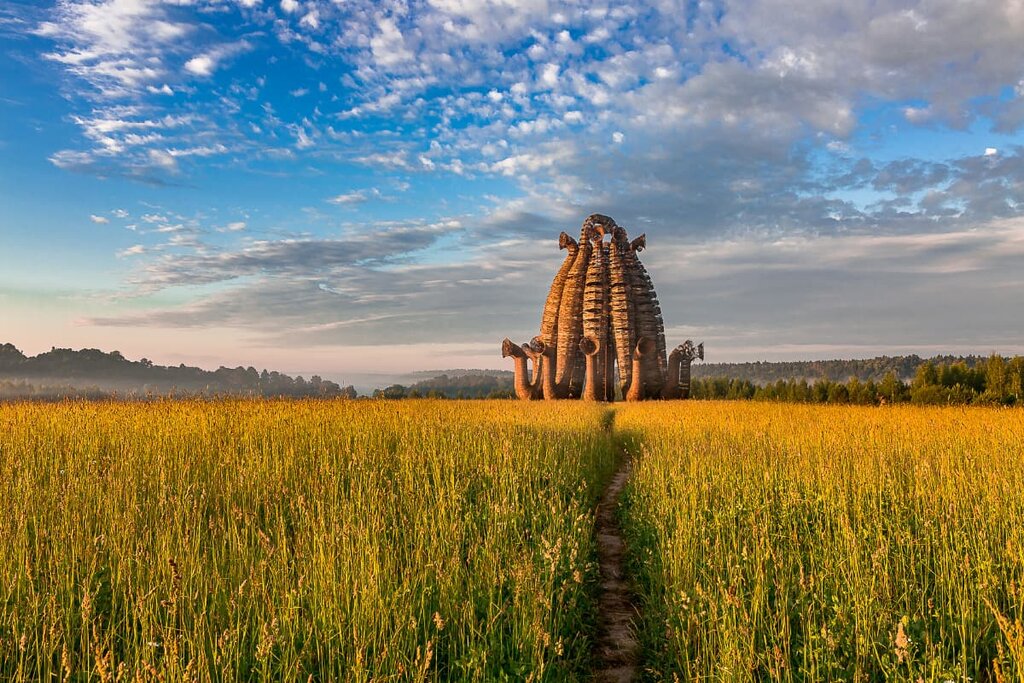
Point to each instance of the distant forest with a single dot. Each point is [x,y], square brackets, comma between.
[885,379]
[875,369]
[90,373]
[992,381]
[455,384]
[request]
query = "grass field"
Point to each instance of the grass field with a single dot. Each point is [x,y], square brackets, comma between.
[281,540]
[791,542]
[445,540]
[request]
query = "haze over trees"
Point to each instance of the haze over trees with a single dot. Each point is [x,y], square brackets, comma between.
[958,380]
[92,373]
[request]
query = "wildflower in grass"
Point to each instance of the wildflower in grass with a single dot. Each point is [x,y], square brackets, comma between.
[902,643]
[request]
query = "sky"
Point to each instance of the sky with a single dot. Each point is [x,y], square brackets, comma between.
[355,187]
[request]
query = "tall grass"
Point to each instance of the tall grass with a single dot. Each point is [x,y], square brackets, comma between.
[806,543]
[292,540]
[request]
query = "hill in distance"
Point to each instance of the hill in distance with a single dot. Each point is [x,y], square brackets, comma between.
[92,373]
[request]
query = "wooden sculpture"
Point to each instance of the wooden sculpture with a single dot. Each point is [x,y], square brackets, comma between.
[601,313]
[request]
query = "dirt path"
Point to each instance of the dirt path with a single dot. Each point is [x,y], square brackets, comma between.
[617,650]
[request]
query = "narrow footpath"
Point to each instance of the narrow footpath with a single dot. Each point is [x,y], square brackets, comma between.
[617,651]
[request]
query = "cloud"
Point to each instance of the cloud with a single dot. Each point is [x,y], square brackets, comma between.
[742,131]
[117,46]
[99,219]
[549,75]
[201,65]
[355,197]
[388,45]
[294,257]
[133,250]
[760,295]
[475,68]
[205,64]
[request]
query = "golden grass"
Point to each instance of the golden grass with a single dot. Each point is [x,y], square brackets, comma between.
[444,540]
[298,540]
[791,542]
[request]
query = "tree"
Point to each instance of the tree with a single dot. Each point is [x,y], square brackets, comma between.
[892,388]
[996,380]
[1015,379]
[926,375]
[395,391]
[838,393]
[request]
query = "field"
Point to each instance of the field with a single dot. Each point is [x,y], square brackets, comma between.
[791,542]
[447,540]
[283,540]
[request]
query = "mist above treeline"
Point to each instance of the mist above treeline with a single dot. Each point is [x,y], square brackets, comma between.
[91,373]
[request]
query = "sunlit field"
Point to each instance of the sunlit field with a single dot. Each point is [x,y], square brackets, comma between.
[791,542]
[326,541]
[450,540]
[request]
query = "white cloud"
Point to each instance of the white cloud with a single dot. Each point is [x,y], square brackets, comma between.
[618,137]
[918,114]
[289,6]
[360,196]
[133,250]
[201,65]
[303,139]
[206,63]
[120,213]
[164,159]
[348,198]
[99,219]
[388,45]
[116,46]
[549,75]
[235,226]
[991,151]
[311,19]
[396,159]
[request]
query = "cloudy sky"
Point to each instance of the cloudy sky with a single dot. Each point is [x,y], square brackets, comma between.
[351,186]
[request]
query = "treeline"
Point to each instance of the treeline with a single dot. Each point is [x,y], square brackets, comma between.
[24,390]
[444,386]
[874,369]
[91,373]
[994,381]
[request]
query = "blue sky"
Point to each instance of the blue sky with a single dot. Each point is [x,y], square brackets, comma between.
[376,187]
